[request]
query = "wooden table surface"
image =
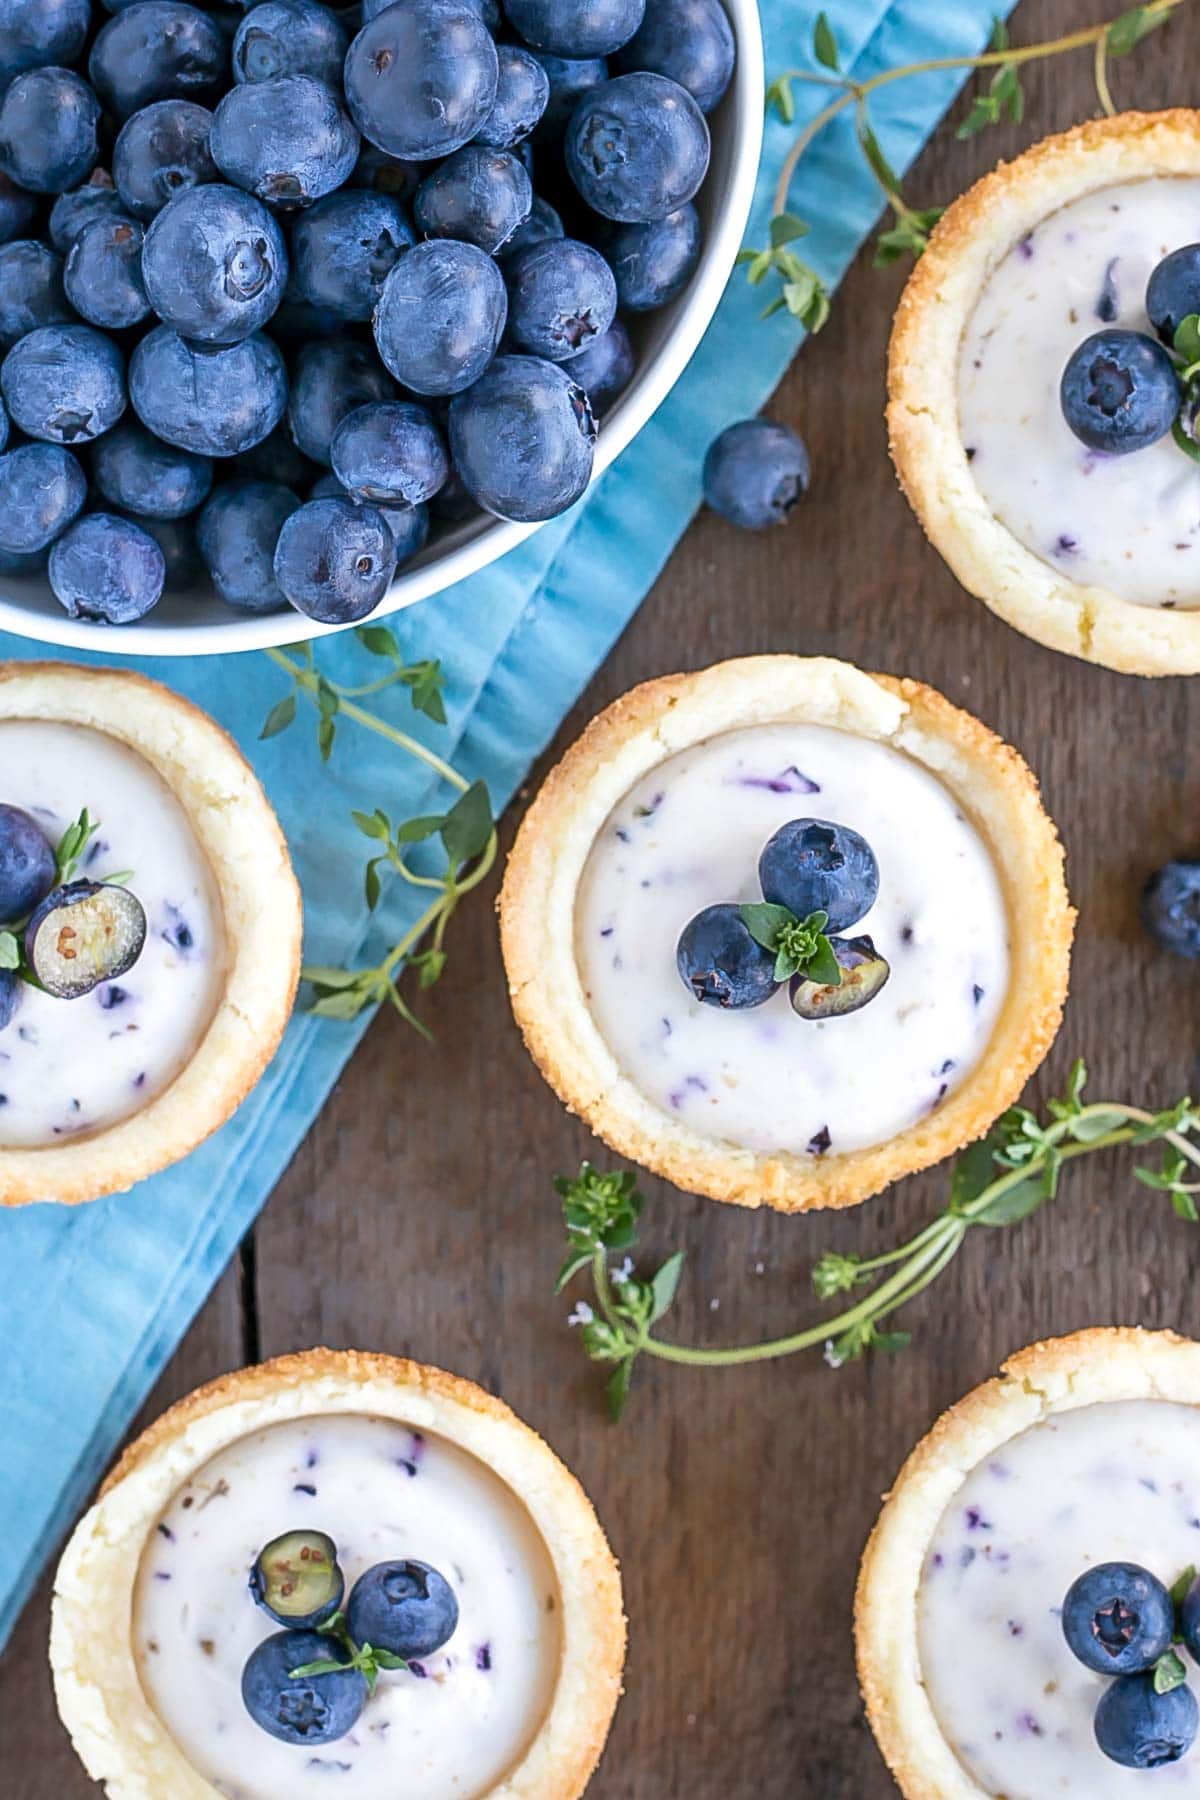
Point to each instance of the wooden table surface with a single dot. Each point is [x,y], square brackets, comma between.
[418,1217]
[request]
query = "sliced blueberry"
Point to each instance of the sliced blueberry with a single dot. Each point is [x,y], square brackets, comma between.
[1119,392]
[297,1580]
[302,1709]
[864,975]
[1173,291]
[1171,906]
[82,934]
[1118,1618]
[26,864]
[813,865]
[721,963]
[405,1607]
[1142,1729]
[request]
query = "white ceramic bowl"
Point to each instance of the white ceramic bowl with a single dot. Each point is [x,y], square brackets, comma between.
[200,624]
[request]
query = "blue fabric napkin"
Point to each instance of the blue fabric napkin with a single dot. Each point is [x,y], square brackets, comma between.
[95,1299]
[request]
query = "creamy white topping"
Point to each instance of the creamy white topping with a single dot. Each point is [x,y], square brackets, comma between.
[447,1730]
[1130,524]
[68,1067]
[689,835]
[1115,1482]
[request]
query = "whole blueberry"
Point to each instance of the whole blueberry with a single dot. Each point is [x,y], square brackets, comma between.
[690,41]
[10,996]
[637,148]
[31,290]
[108,569]
[308,1709]
[27,865]
[215,264]
[391,453]
[1173,291]
[37,33]
[331,378]
[1144,1730]
[42,488]
[409,526]
[654,263]
[139,473]
[540,227]
[103,274]
[157,50]
[176,538]
[605,368]
[289,37]
[576,28]
[64,383]
[1117,1618]
[523,438]
[288,141]
[405,1607]
[561,297]
[18,209]
[48,123]
[386,174]
[237,533]
[1119,392]
[96,199]
[441,316]
[477,195]
[345,247]
[1171,906]
[214,401]
[813,865]
[421,78]
[721,963]
[276,459]
[522,93]
[334,560]
[570,78]
[755,472]
[161,151]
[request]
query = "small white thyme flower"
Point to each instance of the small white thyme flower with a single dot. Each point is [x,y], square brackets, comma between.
[620,1276]
[582,1315]
[831,1356]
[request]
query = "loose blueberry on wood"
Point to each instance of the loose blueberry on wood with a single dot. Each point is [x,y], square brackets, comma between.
[306,1709]
[296,1579]
[1119,392]
[27,865]
[407,1608]
[814,865]
[755,472]
[721,963]
[1118,1618]
[1171,906]
[864,975]
[82,934]
[1141,1729]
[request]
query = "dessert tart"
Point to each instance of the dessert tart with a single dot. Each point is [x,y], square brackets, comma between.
[1081,545]
[998,1646]
[770,791]
[157,937]
[416,1507]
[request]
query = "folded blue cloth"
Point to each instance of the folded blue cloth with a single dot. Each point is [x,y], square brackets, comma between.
[96,1299]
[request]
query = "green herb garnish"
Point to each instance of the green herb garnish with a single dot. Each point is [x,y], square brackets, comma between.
[800,945]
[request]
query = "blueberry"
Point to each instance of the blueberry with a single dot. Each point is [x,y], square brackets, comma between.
[453,503]
[523,438]
[48,121]
[576,28]
[334,560]
[216,402]
[864,975]
[42,488]
[605,368]
[1117,1618]
[64,383]
[308,1709]
[103,274]
[1119,392]
[405,1607]
[1144,1730]
[18,210]
[82,934]
[1189,1619]
[1171,906]
[161,151]
[108,569]
[441,316]
[1173,291]
[386,174]
[637,148]
[421,78]
[332,378]
[522,93]
[288,141]
[477,195]
[141,474]
[176,538]
[214,264]
[37,33]
[278,459]
[390,452]
[5,426]
[96,199]
[409,526]
[690,41]
[157,50]
[755,472]
[721,963]
[570,78]
[561,296]
[345,247]
[237,533]
[812,865]
[289,37]
[296,1579]
[27,865]
[10,996]
[654,263]
[31,290]
[540,227]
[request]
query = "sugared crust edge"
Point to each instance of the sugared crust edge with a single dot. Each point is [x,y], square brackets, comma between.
[662,716]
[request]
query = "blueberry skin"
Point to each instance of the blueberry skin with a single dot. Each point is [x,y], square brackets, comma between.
[48,124]
[5,426]
[576,28]
[334,560]
[107,569]
[1189,1619]
[522,94]
[1117,1619]
[605,368]
[316,1709]
[523,439]
[64,383]
[31,290]
[215,401]
[140,474]
[1173,291]
[386,174]
[421,78]
[561,297]
[1144,1730]
[478,196]
[157,50]
[10,996]
[96,199]
[215,264]
[690,41]
[160,152]
[289,37]
[176,538]
[813,865]
[287,141]
[42,488]
[390,453]
[331,378]
[637,148]
[37,33]
[441,316]
[1171,906]
[18,209]
[721,963]
[27,866]
[542,225]
[345,247]
[1119,392]
[409,526]
[102,277]
[570,78]
[755,472]
[405,1607]
[277,459]
[654,263]
[237,533]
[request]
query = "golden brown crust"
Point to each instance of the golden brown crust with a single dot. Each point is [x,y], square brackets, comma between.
[927,448]
[1100,1364]
[260,902]
[654,721]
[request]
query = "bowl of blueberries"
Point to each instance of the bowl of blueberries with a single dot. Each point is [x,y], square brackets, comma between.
[308,312]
